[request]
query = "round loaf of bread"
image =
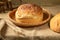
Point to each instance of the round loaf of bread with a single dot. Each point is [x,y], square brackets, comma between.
[29,13]
[55,23]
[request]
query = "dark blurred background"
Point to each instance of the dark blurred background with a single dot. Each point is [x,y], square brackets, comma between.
[11,4]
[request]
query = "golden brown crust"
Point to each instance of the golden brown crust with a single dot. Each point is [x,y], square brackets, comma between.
[29,8]
[55,23]
[29,12]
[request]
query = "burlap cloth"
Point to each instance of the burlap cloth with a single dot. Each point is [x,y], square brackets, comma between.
[10,31]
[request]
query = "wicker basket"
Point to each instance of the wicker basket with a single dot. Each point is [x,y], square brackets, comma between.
[46,18]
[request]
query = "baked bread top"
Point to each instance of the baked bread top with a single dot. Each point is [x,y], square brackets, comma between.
[28,12]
